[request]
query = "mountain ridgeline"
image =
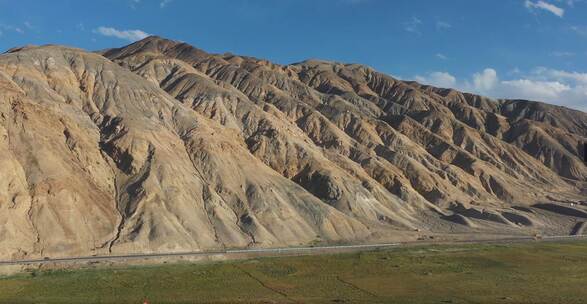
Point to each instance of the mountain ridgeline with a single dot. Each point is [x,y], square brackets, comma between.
[160,147]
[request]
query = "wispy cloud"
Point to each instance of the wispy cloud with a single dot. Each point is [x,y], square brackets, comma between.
[11,28]
[581,30]
[413,26]
[441,25]
[514,71]
[441,56]
[130,35]
[133,3]
[164,3]
[562,54]
[353,1]
[570,3]
[545,6]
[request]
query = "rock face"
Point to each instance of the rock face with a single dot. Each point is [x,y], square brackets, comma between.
[159,146]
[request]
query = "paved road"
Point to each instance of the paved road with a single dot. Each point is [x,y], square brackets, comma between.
[278,251]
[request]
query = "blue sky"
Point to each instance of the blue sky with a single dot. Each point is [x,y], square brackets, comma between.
[533,49]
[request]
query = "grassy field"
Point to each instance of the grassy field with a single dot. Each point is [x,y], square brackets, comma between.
[518,273]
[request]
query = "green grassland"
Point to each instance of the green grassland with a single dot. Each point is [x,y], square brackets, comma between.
[514,273]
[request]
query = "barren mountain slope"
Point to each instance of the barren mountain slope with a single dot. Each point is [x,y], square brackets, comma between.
[422,144]
[97,159]
[159,146]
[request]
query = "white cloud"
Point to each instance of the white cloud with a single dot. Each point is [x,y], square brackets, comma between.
[566,88]
[441,25]
[576,78]
[555,92]
[486,80]
[545,6]
[130,35]
[164,3]
[550,85]
[438,79]
[532,90]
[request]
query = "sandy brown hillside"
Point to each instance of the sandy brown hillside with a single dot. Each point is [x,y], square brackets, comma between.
[159,146]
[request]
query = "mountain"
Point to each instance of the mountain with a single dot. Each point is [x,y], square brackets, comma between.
[159,146]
